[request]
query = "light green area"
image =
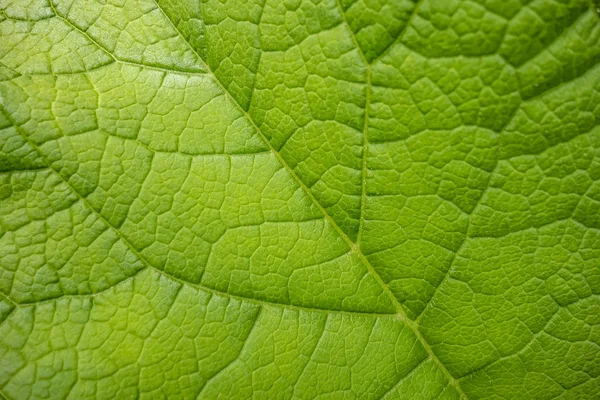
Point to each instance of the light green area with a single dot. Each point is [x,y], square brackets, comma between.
[299,200]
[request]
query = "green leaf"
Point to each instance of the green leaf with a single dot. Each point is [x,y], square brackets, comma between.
[298,199]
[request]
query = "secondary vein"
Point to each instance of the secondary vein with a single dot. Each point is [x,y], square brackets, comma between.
[147,264]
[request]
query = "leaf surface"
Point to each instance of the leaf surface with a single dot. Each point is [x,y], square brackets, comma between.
[294,199]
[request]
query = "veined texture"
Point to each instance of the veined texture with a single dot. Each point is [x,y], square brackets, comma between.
[298,199]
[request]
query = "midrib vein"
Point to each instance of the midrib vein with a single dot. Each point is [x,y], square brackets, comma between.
[354,247]
[365,132]
[365,149]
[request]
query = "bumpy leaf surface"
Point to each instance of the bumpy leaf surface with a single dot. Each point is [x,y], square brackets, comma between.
[297,199]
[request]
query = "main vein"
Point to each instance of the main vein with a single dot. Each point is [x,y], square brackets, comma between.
[354,247]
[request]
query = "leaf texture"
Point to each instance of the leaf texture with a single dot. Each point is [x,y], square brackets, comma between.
[352,199]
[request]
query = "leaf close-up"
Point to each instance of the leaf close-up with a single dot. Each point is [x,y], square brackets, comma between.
[299,199]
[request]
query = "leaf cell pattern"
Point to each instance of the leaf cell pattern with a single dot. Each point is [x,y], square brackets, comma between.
[386,199]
